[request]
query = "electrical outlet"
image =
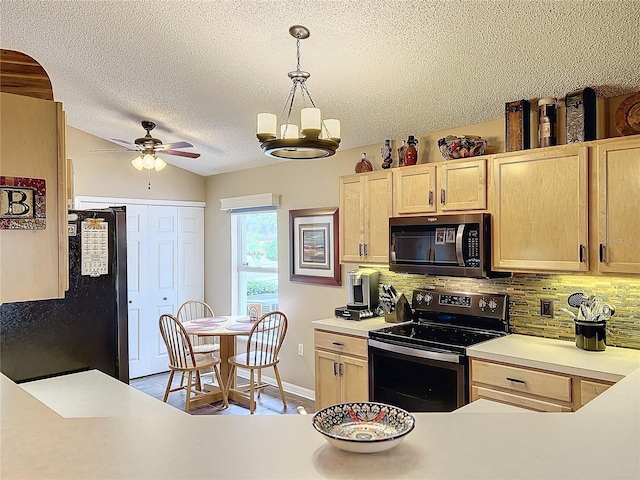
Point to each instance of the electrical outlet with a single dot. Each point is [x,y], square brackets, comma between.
[546,308]
[300,349]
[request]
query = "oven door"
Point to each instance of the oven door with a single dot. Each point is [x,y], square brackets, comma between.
[417,380]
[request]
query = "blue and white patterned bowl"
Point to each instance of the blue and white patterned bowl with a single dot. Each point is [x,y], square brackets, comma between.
[363,427]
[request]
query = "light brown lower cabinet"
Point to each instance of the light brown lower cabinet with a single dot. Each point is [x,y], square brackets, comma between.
[533,389]
[341,368]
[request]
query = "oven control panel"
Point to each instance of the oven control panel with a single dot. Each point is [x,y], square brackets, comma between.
[491,305]
[458,300]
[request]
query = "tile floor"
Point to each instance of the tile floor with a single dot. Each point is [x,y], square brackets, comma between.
[269,402]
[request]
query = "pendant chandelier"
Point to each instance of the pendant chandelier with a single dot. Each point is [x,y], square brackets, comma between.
[317,138]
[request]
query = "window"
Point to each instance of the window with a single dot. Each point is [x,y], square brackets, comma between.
[254,266]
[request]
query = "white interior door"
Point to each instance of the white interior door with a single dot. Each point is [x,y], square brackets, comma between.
[137,260]
[163,278]
[190,254]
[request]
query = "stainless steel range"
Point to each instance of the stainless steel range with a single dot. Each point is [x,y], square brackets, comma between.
[422,365]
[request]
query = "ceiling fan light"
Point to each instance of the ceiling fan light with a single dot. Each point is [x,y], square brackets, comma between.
[137,163]
[149,161]
[159,164]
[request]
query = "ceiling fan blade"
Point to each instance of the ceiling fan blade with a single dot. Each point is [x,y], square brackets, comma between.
[169,146]
[179,153]
[124,142]
[115,150]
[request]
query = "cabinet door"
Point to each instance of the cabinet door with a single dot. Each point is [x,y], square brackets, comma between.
[327,379]
[351,218]
[462,185]
[378,209]
[355,379]
[34,261]
[591,389]
[540,210]
[414,190]
[618,177]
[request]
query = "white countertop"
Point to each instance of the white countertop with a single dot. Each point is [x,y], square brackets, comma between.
[99,396]
[611,364]
[358,328]
[599,441]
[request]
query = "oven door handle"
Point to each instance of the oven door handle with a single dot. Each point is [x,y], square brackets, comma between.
[415,352]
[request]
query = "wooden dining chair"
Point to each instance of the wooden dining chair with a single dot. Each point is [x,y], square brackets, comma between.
[183,359]
[192,310]
[263,345]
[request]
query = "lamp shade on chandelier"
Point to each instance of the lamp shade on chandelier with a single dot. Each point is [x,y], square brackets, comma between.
[313,137]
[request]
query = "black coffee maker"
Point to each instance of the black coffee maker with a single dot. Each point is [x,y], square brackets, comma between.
[363,295]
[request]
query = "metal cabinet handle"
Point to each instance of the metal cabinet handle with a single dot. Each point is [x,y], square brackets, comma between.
[516,380]
[164,298]
[335,368]
[338,344]
[430,198]
[365,250]
[442,196]
[130,301]
[340,370]
[602,253]
[581,253]
[359,249]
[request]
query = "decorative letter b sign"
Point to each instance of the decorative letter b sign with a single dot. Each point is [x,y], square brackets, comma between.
[22,203]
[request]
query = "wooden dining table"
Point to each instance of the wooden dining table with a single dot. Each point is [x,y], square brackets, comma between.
[227,328]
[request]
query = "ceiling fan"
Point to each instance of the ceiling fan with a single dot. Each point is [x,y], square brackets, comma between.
[149,147]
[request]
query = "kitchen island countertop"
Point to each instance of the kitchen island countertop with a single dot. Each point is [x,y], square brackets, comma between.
[38,443]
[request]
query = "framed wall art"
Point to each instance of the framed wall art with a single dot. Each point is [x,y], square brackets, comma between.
[314,246]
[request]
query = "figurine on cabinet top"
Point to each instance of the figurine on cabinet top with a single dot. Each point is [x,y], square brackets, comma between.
[401,153]
[386,155]
[364,165]
[411,154]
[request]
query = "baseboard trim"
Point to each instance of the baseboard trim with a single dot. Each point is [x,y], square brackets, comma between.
[288,387]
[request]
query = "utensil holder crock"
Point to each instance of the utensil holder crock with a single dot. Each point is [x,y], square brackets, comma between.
[591,336]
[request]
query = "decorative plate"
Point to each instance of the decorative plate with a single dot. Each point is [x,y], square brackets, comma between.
[627,116]
[363,427]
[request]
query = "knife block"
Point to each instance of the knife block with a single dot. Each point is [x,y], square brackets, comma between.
[401,312]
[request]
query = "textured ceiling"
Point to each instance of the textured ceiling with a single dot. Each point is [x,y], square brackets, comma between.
[202,70]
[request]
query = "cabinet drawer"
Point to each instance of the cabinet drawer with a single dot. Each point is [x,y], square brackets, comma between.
[511,399]
[343,344]
[557,387]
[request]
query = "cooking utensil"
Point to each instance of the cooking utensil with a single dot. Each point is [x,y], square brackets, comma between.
[577,299]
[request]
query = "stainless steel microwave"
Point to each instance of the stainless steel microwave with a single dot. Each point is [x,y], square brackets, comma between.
[453,245]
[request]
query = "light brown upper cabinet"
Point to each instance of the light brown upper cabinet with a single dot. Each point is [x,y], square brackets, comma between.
[35,261]
[365,208]
[444,187]
[540,209]
[617,180]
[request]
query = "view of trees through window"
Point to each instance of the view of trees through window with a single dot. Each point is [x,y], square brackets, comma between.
[257,260]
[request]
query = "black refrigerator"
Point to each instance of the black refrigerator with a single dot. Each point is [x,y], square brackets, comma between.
[88,329]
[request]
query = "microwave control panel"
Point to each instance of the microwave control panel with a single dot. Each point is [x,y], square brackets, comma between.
[473,249]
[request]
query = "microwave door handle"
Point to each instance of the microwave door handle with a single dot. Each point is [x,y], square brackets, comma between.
[459,236]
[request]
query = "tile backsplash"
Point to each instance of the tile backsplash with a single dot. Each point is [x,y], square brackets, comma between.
[526,290]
